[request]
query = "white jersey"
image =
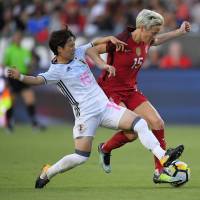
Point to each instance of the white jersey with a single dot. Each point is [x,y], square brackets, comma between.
[78,85]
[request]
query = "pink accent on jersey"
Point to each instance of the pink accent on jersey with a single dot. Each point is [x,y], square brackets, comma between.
[85,78]
[113,105]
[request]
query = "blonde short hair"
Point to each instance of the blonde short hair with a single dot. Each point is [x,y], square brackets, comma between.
[148,19]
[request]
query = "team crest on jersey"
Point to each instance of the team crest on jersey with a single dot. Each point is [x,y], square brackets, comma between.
[138,51]
[81,128]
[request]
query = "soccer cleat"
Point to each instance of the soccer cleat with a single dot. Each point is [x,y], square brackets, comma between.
[171,155]
[164,177]
[41,182]
[104,159]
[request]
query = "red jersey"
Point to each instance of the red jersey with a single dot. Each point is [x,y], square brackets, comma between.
[127,63]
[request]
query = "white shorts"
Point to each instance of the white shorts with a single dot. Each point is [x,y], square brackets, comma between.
[109,118]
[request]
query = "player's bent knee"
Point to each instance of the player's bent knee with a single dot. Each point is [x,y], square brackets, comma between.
[81,159]
[82,156]
[135,136]
[162,124]
[141,124]
[157,123]
[132,136]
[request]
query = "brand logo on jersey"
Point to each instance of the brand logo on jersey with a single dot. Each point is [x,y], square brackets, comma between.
[68,69]
[138,51]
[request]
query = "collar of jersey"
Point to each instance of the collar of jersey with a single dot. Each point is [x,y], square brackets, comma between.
[54,61]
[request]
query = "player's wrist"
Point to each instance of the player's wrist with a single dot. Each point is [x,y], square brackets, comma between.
[106,67]
[21,77]
[180,32]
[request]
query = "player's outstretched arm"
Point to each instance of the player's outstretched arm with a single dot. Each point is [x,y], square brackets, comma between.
[104,40]
[93,54]
[164,37]
[100,44]
[30,80]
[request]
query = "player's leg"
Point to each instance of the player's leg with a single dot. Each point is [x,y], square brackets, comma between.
[14,91]
[139,103]
[28,96]
[128,120]
[121,137]
[9,118]
[149,113]
[131,101]
[84,132]
[83,147]
[82,152]
[118,139]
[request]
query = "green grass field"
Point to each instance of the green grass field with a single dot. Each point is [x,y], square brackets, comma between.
[23,154]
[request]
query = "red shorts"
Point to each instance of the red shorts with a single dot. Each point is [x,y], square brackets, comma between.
[132,99]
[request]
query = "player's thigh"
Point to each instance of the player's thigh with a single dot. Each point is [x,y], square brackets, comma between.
[111,116]
[150,114]
[134,99]
[129,134]
[117,117]
[127,120]
[86,126]
[28,95]
[83,143]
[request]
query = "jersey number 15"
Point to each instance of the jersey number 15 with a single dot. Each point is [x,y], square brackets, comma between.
[137,62]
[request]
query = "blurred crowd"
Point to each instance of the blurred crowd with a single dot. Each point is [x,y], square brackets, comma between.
[91,18]
[25,26]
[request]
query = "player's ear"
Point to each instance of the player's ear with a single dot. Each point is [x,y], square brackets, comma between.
[59,49]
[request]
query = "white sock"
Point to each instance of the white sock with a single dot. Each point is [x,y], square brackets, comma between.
[158,152]
[66,163]
[148,139]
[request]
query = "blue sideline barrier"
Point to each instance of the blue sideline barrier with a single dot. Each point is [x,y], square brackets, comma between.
[176,94]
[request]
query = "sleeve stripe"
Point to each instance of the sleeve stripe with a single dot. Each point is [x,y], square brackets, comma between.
[45,80]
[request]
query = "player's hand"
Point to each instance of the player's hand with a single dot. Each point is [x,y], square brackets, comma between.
[185,27]
[110,69]
[120,45]
[13,73]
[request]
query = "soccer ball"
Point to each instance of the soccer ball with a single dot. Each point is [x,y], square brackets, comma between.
[181,171]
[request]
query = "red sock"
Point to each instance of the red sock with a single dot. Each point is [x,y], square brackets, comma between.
[160,135]
[118,140]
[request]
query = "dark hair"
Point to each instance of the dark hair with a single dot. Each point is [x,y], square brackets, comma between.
[59,38]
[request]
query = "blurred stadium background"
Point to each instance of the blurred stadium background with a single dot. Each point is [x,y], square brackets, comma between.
[173,88]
